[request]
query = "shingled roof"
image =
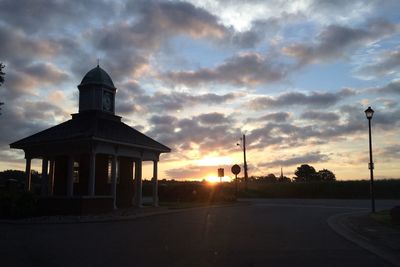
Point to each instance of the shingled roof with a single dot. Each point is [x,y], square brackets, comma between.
[93,125]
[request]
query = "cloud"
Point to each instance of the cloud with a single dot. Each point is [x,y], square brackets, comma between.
[206,133]
[259,31]
[391,88]
[245,69]
[163,120]
[275,117]
[129,43]
[334,41]
[391,152]
[37,16]
[295,134]
[194,172]
[313,99]
[18,47]
[136,100]
[312,157]
[27,117]
[21,118]
[387,63]
[29,78]
[214,118]
[320,116]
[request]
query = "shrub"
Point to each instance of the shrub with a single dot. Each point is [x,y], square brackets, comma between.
[395,214]
[17,205]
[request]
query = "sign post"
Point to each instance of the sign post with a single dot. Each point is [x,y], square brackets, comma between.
[236,170]
[220,174]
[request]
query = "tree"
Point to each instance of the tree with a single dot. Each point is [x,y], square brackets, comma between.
[326,175]
[284,179]
[305,173]
[2,66]
[270,178]
[19,176]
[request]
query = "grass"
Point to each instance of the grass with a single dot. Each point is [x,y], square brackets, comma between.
[384,218]
[384,189]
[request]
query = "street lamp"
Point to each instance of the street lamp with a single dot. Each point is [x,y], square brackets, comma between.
[369,112]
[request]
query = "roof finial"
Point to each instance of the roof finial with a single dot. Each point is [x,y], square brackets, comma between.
[98,62]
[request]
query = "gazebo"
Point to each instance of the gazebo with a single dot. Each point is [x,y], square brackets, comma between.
[93,161]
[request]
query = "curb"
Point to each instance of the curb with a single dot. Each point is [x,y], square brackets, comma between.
[114,219]
[339,223]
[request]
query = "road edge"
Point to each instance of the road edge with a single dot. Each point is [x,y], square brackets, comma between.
[339,223]
[98,219]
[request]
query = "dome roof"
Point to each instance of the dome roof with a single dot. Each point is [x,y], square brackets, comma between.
[97,76]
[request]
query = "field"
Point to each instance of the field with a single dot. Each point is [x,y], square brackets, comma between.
[197,191]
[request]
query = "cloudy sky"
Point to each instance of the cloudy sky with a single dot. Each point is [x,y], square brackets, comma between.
[294,76]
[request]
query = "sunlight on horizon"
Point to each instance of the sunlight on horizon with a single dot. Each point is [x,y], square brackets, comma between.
[213,179]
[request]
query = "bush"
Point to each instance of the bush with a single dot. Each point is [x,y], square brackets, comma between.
[17,205]
[389,189]
[395,214]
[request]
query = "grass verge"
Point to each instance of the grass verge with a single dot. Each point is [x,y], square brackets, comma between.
[383,217]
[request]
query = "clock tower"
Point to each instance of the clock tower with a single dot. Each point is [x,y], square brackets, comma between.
[97,92]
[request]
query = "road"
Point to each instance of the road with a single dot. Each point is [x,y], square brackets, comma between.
[261,233]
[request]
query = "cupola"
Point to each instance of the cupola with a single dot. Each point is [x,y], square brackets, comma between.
[97,91]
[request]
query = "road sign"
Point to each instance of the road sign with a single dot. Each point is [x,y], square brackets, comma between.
[221,172]
[235,169]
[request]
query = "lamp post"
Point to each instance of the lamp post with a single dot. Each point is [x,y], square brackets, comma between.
[369,112]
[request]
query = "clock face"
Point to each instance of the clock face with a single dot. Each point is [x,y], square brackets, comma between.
[107,101]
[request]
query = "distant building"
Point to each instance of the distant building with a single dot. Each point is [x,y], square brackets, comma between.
[92,159]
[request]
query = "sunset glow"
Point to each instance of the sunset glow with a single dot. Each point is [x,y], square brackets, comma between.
[215,161]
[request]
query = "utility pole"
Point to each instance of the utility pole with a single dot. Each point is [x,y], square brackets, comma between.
[246,177]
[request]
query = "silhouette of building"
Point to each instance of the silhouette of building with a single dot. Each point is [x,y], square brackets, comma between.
[94,157]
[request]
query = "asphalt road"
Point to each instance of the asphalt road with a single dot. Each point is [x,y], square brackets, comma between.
[262,233]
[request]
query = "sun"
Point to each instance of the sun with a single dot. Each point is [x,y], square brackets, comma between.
[212,179]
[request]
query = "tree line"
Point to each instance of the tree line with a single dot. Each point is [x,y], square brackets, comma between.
[303,173]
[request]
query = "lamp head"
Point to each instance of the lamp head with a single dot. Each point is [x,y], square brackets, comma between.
[369,112]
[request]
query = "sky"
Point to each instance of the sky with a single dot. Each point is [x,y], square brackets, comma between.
[294,76]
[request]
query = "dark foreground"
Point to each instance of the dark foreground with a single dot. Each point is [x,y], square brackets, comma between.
[264,233]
